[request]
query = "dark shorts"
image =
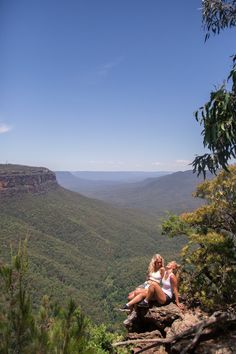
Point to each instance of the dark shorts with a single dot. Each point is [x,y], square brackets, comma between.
[168,300]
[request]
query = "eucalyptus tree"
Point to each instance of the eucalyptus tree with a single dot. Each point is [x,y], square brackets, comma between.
[218,115]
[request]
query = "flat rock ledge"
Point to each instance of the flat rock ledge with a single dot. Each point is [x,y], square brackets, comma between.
[167,329]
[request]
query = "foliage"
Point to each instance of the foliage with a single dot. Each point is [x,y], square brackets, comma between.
[218,14]
[218,115]
[17,322]
[82,248]
[49,329]
[209,257]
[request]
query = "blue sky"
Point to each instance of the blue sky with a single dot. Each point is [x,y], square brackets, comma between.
[105,84]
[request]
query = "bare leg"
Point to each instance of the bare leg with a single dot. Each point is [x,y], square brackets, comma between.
[134,293]
[139,297]
[156,293]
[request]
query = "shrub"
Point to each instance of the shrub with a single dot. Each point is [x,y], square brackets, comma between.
[209,257]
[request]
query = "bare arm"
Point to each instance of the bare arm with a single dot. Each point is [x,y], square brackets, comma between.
[174,286]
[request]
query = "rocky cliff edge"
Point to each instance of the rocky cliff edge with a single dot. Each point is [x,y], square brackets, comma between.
[168,330]
[16,179]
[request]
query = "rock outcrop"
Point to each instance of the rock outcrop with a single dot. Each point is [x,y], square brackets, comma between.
[15,180]
[167,329]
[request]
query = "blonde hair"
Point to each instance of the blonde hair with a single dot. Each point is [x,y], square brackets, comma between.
[177,266]
[152,265]
[176,271]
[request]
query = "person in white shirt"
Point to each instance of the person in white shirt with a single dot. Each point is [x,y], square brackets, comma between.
[167,292]
[155,273]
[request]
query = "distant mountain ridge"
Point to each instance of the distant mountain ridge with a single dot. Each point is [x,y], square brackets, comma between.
[172,192]
[118,176]
[90,182]
[72,182]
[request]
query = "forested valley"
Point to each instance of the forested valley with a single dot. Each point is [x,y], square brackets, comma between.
[69,257]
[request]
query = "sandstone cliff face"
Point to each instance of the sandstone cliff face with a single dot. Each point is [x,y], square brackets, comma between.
[16,180]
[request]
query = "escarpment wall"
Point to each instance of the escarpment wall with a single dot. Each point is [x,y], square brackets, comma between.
[15,181]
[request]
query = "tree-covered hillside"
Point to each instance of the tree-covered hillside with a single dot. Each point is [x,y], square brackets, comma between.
[172,192]
[82,248]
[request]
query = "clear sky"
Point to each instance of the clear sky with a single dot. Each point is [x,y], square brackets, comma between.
[105,84]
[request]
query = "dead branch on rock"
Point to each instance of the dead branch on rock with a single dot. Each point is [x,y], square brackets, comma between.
[216,320]
[193,343]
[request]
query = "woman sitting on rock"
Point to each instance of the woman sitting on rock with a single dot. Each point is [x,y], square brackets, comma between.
[155,274]
[168,291]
